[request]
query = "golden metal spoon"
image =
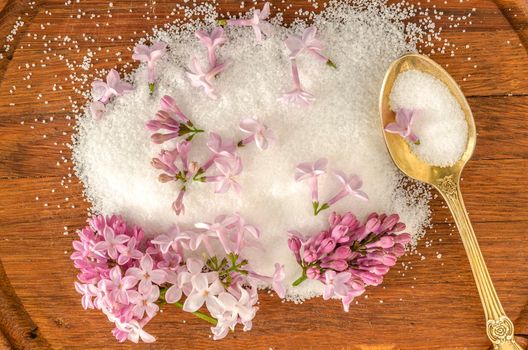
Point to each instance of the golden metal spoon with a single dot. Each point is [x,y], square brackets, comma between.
[447,181]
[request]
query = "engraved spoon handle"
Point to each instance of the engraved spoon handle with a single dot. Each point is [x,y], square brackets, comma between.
[498,326]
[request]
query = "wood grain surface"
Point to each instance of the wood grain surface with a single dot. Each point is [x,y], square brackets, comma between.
[432,305]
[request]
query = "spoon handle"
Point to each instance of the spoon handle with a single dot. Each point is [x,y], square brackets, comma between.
[498,326]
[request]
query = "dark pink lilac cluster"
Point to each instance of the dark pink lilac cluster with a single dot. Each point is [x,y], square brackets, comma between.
[349,255]
[128,276]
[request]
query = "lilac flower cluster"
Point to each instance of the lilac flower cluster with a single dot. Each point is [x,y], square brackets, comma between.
[349,185]
[128,277]
[197,76]
[307,43]
[224,163]
[350,255]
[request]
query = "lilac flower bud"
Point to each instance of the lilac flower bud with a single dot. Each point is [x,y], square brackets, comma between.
[309,256]
[368,278]
[402,238]
[326,246]
[372,225]
[294,243]
[313,273]
[397,250]
[350,220]
[389,222]
[384,242]
[337,265]
[341,253]
[339,231]
[400,226]
[334,219]
[382,257]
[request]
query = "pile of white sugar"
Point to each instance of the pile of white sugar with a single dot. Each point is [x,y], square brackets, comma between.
[112,155]
[439,123]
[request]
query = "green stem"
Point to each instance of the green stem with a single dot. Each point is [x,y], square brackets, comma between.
[151,88]
[300,280]
[199,314]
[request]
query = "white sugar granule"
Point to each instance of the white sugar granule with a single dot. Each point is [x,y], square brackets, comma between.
[112,156]
[440,123]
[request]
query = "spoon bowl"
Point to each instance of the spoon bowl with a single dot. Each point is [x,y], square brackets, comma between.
[398,147]
[446,180]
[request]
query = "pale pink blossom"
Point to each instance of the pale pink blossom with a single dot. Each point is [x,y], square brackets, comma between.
[211,41]
[135,332]
[114,86]
[258,132]
[229,169]
[200,78]
[118,285]
[88,291]
[258,22]
[403,125]
[128,252]
[350,185]
[172,239]
[144,301]
[335,284]
[102,92]
[298,95]
[202,292]
[307,43]
[149,55]
[146,274]
[111,242]
[311,171]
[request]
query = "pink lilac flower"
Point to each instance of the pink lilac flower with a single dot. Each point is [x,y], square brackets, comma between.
[311,171]
[229,169]
[202,292]
[258,132]
[134,332]
[200,78]
[128,252]
[172,119]
[173,239]
[211,41]
[111,242]
[298,95]
[350,185]
[403,125]
[219,148]
[119,285]
[146,274]
[144,301]
[307,43]
[231,310]
[150,55]
[102,92]
[276,281]
[88,291]
[258,22]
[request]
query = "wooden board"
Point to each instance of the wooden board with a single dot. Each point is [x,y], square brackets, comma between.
[434,305]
